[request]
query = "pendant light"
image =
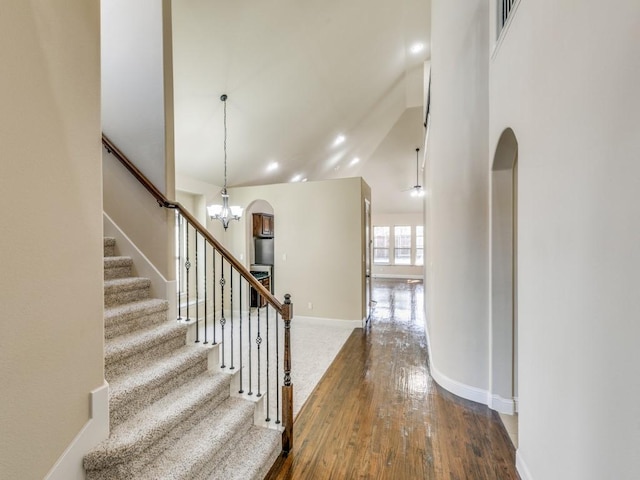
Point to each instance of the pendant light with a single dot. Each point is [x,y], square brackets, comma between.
[224,212]
[417,190]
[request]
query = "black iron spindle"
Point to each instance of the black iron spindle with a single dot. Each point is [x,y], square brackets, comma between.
[277,370]
[222,319]
[232,367]
[250,347]
[187,266]
[258,342]
[197,290]
[179,229]
[240,337]
[204,295]
[213,296]
[268,419]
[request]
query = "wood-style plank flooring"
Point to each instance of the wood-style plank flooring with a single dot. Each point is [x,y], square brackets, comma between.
[377,414]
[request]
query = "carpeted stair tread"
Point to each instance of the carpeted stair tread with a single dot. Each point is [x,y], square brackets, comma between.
[117,267]
[261,445]
[125,284]
[119,291]
[156,371]
[109,245]
[129,311]
[136,434]
[141,341]
[210,439]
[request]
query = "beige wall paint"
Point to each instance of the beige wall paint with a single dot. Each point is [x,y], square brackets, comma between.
[458,197]
[571,96]
[319,228]
[137,214]
[398,219]
[51,285]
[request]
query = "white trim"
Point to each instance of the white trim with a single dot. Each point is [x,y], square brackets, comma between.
[69,466]
[516,404]
[521,467]
[160,286]
[393,275]
[502,405]
[460,389]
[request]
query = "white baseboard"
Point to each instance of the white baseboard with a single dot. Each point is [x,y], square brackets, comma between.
[69,465]
[521,467]
[502,405]
[393,276]
[160,286]
[460,389]
[327,321]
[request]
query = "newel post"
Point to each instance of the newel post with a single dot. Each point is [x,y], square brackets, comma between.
[287,388]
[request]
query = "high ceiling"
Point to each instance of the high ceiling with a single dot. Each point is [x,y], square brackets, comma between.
[298,74]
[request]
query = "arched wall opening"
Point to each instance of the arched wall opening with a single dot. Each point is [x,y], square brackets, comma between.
[504,291]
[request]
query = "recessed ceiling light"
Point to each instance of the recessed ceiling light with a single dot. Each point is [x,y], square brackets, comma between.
[354,161]
[304,179]
[296,178]
[339,139]
[272,166]
[417,47]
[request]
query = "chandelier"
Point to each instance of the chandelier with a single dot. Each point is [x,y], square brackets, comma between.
[224,212]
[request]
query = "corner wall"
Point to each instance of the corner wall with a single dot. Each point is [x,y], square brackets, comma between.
[457,243]
[565,78]
[51,287]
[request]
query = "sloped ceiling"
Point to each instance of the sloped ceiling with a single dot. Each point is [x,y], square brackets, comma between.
[297,75]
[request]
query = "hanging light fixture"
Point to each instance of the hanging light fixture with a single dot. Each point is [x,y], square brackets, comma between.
[417,190]
[224,212]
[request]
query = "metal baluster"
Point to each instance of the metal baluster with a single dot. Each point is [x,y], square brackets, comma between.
[268,419]
[197,290]
[250,351]
[232,367]
[205,292]
[240,342]
[179,229]
[213,296]
[187,266]
[277,370]
[258,342]
[222,319]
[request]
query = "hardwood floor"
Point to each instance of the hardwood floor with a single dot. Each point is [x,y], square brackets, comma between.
[377,414]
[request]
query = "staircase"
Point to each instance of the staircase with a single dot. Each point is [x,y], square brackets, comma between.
[171,413]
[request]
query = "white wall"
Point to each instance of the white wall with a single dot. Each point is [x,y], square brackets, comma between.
[457,281]
[137,106]
[391,220]
[565,79]
[137,116]
[51,285]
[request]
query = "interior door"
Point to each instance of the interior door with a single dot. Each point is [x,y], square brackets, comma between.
[367,258]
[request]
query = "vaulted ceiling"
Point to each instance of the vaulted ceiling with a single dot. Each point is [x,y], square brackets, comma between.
[299,74]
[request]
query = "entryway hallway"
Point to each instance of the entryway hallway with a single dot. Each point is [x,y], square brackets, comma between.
[377,413]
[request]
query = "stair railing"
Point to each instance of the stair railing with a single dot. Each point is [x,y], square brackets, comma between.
[237,317]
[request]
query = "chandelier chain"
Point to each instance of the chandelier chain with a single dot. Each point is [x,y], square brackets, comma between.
[225,144]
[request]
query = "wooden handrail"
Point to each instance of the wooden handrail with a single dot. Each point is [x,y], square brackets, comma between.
[166,203]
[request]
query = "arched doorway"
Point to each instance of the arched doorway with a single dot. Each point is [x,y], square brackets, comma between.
[504,265]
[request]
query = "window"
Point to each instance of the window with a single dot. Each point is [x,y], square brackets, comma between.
[419,245]
[381,245]
[402,245]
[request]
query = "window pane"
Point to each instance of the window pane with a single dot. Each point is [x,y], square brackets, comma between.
[381,255]
[419,245]
[381,244]
[402,244]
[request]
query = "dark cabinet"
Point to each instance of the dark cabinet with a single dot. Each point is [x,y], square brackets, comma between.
[258,300]
[263,225]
